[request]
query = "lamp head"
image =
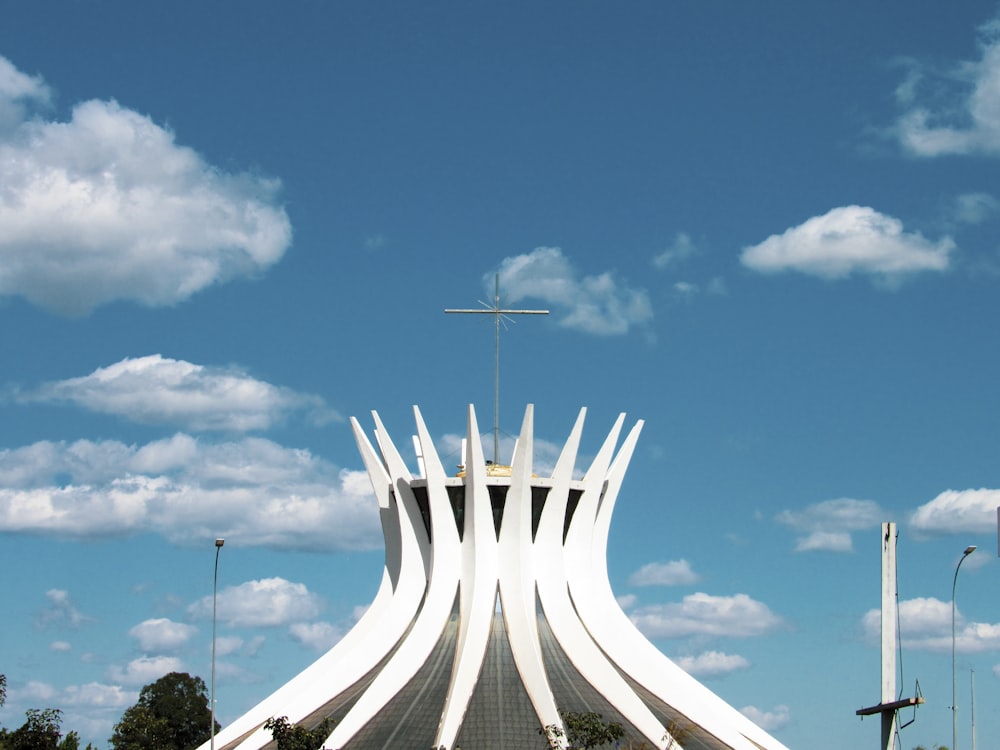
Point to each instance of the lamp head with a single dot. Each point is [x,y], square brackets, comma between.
[220,542]
[968,550]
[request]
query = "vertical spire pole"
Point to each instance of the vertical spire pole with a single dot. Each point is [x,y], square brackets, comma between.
[497,312]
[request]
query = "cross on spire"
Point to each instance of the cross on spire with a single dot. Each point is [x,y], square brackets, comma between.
[497,312]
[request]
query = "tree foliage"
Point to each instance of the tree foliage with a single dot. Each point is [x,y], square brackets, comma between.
[40,731]
[583,731]
[290,736]
[171,714]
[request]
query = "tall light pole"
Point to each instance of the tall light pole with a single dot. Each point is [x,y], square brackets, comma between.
[215,588]
[954,716]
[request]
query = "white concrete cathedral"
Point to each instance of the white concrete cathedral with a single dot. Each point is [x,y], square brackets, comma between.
[495,613]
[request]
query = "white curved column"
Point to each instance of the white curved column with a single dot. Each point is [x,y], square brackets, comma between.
[517,581]
[635,655]
[576,642]
[444,567]
[478,588]
[371,638]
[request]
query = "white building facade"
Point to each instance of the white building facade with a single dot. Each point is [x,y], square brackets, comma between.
[495,613]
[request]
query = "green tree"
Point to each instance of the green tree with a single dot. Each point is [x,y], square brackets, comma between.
[583,731]
[171,714]
[290,736]
[39,732]
[3,689]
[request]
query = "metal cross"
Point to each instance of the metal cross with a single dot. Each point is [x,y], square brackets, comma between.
[497,312]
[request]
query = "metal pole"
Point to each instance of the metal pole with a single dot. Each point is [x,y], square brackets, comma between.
[972,685]
[954,715]
[496,376]
[215,588]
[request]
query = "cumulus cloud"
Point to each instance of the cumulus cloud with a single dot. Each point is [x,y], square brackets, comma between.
[849,240]
[264,494]
[673,573]
[827,526]
[158,390]
[960,112]
[107,206]
[319,636]
[769,721]
[925,624]
[600,305]
[98,695]
[162,634]
[712,664]
[269,602]
[145,669]
[955,511]
[17,91]
[700,614]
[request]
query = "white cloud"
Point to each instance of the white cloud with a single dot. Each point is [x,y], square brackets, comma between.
[145,669]
[955,511]
[961,115]
[599,305]
[158,390]
[769,721]
[60,646]
[673,573]
[849,240]
[107,206]
[61,611]
[736,616]
[827,526]
[269,602]
[253,490]
[712,664]
[679,250]
[162,634]
[98,695]
[975,208]
[925,624]
[319,636]
[16,91]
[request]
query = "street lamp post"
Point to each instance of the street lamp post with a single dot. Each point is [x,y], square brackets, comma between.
[954,716]
[215,588]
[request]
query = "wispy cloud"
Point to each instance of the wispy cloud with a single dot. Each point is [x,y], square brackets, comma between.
[158,390]
[61,611]
[319,636]
[769,721]
[737,616]
[676,252]
[601,305]
[960,114]
[188,491]
[827,526]
[846,241]
[712,664]
[107,206]
[955,511]
[673,573]
[975,208]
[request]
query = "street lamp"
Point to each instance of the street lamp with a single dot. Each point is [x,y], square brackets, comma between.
[215,588]
[954,716]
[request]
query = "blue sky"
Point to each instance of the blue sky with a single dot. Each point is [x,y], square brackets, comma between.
[767,229]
